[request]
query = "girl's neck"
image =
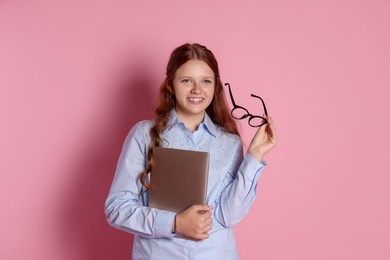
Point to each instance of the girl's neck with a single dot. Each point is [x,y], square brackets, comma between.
[192,122]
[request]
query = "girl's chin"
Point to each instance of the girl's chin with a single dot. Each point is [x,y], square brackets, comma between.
[191,112]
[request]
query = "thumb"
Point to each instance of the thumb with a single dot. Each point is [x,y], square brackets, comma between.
[262,128]
[260,133]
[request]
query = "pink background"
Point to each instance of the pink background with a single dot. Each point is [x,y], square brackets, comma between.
[76,75]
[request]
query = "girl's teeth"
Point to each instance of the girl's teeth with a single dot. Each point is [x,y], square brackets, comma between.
[195,99]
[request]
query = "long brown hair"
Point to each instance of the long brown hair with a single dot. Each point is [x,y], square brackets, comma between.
[218,110]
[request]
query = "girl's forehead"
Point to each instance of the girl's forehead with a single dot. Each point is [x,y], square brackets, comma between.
[195,68]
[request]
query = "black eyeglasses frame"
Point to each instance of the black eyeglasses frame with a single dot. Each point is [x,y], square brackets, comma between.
[251,117]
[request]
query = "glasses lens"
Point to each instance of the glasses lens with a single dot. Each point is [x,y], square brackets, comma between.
[257,121]
[239,113]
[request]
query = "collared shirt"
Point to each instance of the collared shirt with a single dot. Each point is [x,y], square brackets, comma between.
[232,185]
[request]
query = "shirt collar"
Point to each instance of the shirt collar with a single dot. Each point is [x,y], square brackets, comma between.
[207,123]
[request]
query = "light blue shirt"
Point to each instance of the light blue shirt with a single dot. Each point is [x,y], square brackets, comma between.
[232,185]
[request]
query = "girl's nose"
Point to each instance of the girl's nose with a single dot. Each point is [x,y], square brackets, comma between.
[196,88]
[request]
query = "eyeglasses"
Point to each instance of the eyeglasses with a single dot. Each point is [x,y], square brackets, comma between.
[239,112]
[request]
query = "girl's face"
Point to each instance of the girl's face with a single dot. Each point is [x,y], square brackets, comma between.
[193,86]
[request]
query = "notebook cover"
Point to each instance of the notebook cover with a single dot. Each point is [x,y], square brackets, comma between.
[178,179]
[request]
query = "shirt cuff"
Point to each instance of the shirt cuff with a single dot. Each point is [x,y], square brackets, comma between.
[163,224]
[250,167]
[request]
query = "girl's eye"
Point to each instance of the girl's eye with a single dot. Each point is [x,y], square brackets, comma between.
[207,81]
[186,81]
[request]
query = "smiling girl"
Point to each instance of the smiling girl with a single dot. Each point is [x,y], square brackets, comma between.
[192,115]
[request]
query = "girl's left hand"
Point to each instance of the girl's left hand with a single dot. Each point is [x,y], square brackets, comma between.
[263,141]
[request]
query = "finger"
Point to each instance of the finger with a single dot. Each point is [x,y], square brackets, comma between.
[206,221]
[206,229]
[270,121]
[271,129]
[207,215]
[201,236]
[202,208]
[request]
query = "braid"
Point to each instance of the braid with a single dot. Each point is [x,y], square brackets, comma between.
[167,102]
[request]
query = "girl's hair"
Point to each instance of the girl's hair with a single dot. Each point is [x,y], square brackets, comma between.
[218,110]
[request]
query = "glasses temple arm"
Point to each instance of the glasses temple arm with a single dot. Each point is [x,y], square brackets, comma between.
[231,95]
[262,101]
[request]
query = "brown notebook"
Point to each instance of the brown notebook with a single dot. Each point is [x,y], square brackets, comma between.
[178,179]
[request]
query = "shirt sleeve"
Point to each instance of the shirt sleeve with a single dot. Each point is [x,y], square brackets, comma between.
[124,208]
[239,189]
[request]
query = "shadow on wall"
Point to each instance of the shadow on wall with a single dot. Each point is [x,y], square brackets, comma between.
[86,231]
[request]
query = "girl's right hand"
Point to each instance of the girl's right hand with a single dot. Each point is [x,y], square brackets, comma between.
[195,222]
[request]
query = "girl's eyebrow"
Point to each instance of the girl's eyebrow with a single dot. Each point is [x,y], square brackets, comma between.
[184,76]
[205,77]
